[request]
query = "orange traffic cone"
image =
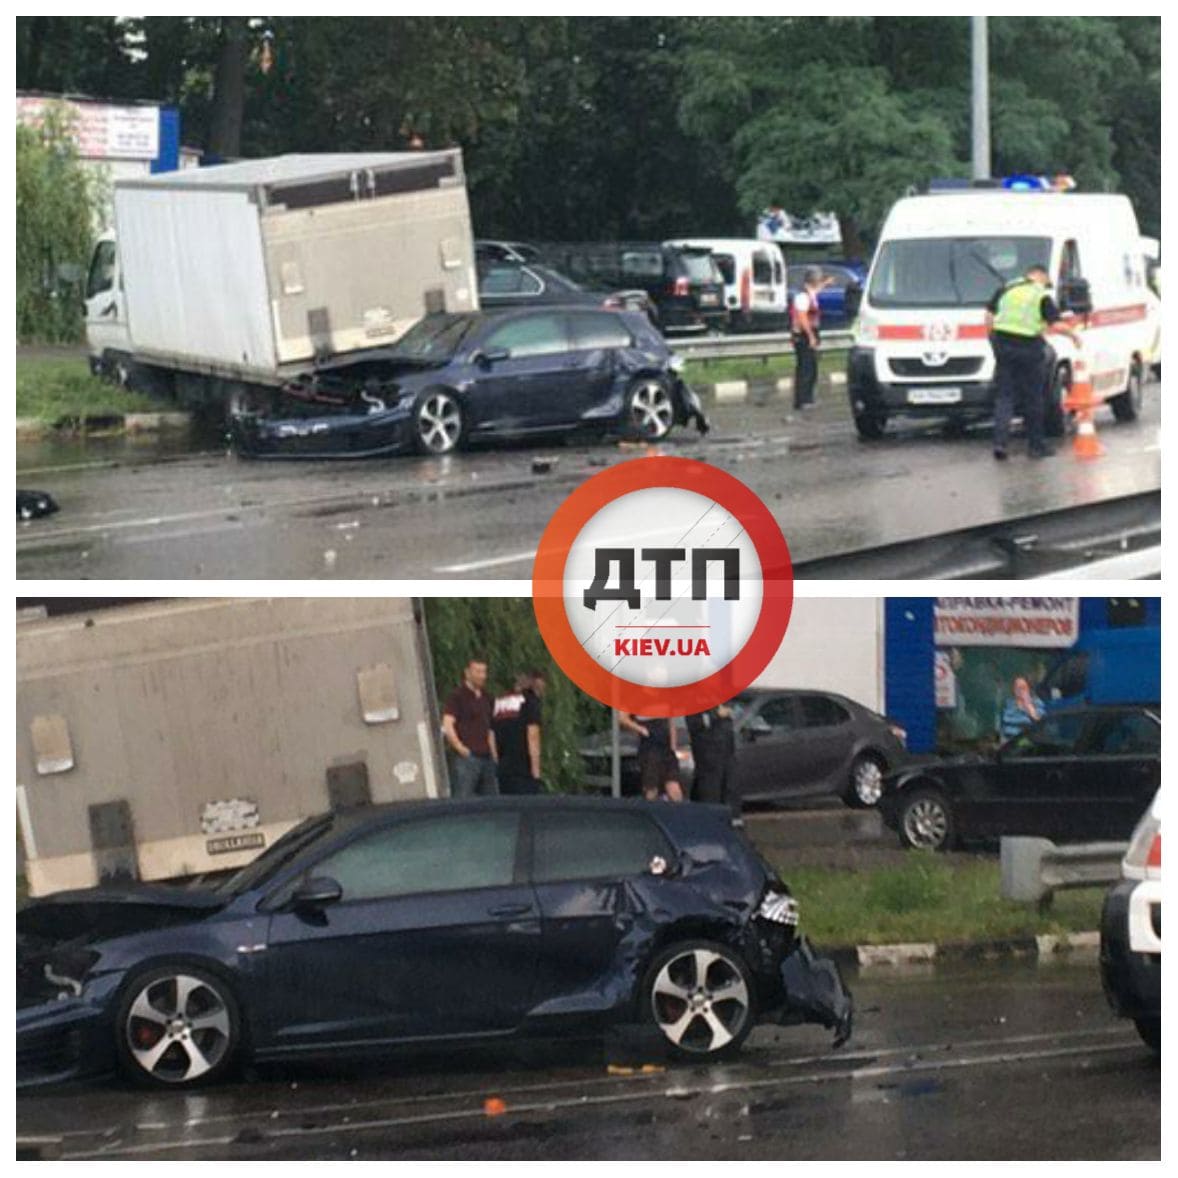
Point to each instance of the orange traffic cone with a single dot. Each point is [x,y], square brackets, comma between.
[1081,400]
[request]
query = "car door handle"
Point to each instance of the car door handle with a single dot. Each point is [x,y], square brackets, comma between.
[510,910]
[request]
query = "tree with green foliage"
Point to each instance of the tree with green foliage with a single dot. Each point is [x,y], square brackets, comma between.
[503,631]
[57,207]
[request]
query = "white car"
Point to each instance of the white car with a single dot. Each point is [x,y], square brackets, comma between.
[1131,932]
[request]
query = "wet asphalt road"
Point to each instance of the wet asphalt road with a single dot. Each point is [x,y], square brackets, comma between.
[991,1061]
[125,513]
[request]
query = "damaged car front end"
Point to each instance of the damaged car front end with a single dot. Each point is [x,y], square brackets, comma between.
[455,379]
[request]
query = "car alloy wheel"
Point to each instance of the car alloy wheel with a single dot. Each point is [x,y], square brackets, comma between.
[926,823]
[439,422]
[651,411]
[179,1028]
[867,780]
[700,999]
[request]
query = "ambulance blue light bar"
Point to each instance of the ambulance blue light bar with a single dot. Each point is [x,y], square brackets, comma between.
[1017,182]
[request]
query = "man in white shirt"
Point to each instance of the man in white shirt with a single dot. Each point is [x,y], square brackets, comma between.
[805,317]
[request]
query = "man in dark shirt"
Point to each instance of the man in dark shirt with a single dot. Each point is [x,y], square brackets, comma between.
[517,726]
[713,748]
[1018,316]
[658,764]
[466,725]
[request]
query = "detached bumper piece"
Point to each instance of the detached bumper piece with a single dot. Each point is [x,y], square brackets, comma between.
[815,992]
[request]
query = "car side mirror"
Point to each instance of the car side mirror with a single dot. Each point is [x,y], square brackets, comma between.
[315,893]
[492,356]
[854,297]
[757,727]
[1075,295]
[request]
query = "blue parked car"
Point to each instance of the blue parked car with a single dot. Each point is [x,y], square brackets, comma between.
[837,314]
[453,379]
[425,922]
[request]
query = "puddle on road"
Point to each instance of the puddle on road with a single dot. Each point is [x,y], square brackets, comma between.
[58,450]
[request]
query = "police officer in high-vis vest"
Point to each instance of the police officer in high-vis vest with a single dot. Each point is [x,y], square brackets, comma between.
[1020,314]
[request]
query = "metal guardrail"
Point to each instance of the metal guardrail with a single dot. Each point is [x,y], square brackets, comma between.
[723,347]
[1033,869]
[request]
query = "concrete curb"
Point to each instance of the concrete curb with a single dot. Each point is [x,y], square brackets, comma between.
[926,952]
[31,428]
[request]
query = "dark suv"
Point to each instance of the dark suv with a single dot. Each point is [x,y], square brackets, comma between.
[438,921]
[685,284]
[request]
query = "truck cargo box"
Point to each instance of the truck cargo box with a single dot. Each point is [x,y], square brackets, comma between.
[253,269]
[177,737]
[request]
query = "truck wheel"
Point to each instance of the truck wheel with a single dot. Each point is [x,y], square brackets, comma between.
[871,426]
[438,422]
[1126,406]
[1054,416]
[1150,1030]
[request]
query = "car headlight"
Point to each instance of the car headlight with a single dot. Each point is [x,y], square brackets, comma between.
[676,363]
[866,330]
[779,908]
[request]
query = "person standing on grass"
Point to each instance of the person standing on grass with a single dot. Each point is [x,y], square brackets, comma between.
[805,320]
[517,727]
[466,725]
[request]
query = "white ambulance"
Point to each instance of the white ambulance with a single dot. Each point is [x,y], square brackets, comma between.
[756,292]
[920,343]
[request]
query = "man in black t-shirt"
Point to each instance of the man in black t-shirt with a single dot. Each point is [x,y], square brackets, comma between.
[517,724]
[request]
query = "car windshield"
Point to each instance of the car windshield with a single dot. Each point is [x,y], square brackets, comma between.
[266,864]
[951,271]
[436,337]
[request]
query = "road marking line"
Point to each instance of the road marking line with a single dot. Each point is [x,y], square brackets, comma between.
[628,1097]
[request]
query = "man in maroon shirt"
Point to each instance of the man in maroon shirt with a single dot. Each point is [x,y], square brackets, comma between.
[466,725]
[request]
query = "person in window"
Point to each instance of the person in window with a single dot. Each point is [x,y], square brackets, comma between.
[713,748]
[466,725]
[1022,709]
[1019,316]
[517,727]
[658,766]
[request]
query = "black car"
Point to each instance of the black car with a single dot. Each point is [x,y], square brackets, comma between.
[425,922]
[789,744]
[1078,774]
[453,379]
[516,284]
[685,284]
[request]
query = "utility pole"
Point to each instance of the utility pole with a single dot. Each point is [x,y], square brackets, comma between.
[980,121]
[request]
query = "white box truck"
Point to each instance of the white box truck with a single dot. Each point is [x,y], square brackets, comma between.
[170,738]
[221,284]
[921,347]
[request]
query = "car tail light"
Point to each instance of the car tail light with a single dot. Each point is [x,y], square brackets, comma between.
[1143,860]
[682,287]
[612,302]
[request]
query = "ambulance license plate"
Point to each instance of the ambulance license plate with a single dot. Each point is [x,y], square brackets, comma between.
[934,395]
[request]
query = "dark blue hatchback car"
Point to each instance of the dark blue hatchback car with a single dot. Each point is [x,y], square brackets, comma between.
[453,379]
[425,922]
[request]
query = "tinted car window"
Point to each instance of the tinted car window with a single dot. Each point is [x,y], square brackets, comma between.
[820,712]
[727,267]
[700,267]
[599,331]
[509,280]
[778,713]
[535,335]
[433,855]
[579,846]
[762,269]
[1123,734]
[436,337]
[1057,736]
[642,264]
[839,278]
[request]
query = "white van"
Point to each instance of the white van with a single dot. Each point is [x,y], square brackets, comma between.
[920,343]
[755,287]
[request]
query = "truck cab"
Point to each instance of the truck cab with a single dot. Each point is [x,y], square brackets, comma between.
[108,340]
[921,346]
